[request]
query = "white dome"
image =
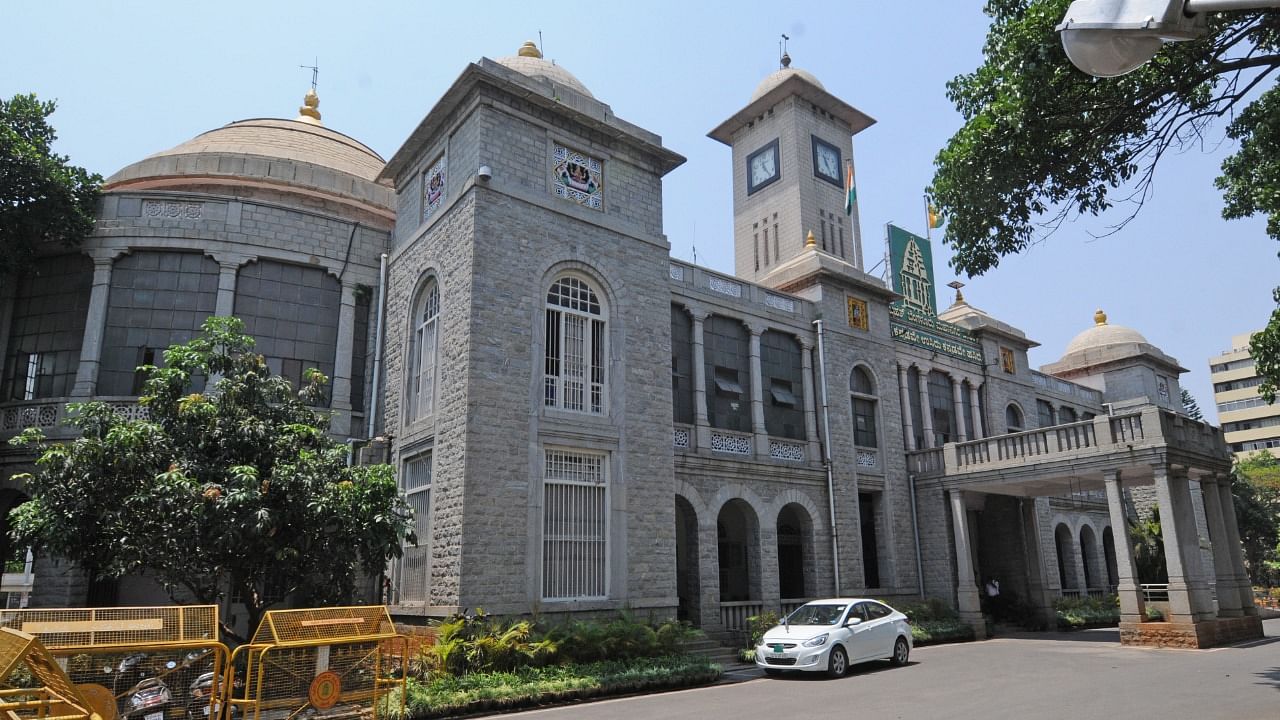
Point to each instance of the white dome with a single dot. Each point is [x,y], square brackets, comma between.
[529,61]
[780,77]
[1102,335]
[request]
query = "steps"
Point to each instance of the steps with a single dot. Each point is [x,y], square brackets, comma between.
[718,647]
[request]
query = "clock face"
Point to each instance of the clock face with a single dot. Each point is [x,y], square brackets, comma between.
[826,161]
[762,167]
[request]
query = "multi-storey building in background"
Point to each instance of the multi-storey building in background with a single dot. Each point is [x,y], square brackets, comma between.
[584,424]
[1249,423]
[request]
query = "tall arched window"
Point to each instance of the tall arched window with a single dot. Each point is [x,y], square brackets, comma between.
[574,374]
[423,351]
[1013,418]
[863,391]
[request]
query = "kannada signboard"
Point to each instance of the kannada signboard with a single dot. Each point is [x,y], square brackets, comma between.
[914,318]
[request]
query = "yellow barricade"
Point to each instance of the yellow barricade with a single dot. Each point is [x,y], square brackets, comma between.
[53,695]
[339,662]
[136,663]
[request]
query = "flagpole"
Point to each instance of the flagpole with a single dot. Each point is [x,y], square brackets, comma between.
[928,226]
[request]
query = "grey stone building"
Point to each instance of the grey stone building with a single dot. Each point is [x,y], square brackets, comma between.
[584,424]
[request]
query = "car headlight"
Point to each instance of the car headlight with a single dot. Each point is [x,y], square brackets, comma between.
[817,641]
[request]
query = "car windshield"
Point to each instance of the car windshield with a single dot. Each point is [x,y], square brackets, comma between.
[817,615]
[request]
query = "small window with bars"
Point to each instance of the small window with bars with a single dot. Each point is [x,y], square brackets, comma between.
[575,526]
[415,563]
[574,371]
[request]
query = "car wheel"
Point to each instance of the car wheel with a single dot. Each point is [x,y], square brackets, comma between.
[838,665]
[901,651]
[772,672]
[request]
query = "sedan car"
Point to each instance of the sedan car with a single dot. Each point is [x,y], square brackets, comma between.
[830,635]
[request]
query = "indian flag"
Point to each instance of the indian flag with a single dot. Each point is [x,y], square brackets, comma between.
[851,192]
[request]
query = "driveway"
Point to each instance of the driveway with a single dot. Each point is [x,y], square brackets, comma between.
[1037,675]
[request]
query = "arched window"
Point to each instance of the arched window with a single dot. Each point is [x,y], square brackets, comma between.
[1067,415]
[1045,410]
[423,351]
[1013,418]
[574,374]
[863,391]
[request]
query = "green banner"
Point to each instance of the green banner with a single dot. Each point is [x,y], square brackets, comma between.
[911,262]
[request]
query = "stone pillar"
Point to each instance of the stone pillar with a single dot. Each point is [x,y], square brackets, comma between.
[709,571]
[968,601]
[1040,593]
[1224,572]
[810,406]
[1188,596]
[757,395]
[926,412]
[1203,539]
[904,391]
[340,402]
[957,401]
[1132,608]
[770,589]
[227,270]
[95,325]
[702,425]
[975,411]
[1243,582]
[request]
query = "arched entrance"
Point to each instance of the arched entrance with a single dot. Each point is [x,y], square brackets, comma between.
[795,553]
[688,587]
[1066,558]
[1089,559]
[738,550]
[1109,555]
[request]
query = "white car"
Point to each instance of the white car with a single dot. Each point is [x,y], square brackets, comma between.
[830,635]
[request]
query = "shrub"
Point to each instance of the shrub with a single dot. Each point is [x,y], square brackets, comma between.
[758,625]
[932,632]
[476,643]
[1082,612]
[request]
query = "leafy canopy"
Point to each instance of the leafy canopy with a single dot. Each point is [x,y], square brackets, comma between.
[1255,483]
[43,199]
[238,487]
[1043,142]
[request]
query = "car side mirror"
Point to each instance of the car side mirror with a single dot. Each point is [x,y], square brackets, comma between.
[852,621]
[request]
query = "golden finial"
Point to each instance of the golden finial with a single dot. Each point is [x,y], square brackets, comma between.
[956,285]
[809,241]
[308,112]
[1099,317]
[529,49]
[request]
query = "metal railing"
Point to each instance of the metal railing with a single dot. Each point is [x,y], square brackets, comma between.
[1154,592]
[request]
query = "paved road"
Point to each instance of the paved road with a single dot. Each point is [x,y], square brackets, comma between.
[1069,676]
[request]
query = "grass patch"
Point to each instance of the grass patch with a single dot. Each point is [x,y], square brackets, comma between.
[530,686]
[934,632]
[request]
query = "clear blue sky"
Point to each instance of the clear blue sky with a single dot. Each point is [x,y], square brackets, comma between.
[134,78]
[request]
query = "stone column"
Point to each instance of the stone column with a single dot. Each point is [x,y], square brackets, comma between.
[1243,582]
[708,572]
[1224,572]
[926,412]
[702,425]
[810,406]
[95,326]
[957,400]
[757,395]
[1202,534]
[904,391]
[1132,608]
[1040,593]
[340,402]
[1188,596]
[228,267]
[967,599]
[975,410]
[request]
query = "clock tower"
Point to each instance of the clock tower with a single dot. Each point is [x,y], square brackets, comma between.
[792,154]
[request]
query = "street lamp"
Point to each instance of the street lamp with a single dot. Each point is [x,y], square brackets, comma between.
[1106,38]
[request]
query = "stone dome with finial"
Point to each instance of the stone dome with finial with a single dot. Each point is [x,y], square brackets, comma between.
[781,76]
[528,60]
[295,157]
[1103,335]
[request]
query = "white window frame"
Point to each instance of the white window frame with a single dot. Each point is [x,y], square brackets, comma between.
[413,580]
[873,398]
[576,496]
[576,356]
[424,353]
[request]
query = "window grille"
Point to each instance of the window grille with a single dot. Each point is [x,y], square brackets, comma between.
[422,375]
[574,373]
[415,564]
[575,526]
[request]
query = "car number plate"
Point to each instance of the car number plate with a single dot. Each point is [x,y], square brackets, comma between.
[776,648]
[154,716]
[206,710]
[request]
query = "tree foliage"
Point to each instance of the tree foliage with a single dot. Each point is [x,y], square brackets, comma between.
[1190,407]
[43,198]
[1043,142]
[1255,485]
[238,487]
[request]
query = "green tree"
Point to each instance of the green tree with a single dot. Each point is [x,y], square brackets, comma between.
[1190,406]
[1043,142]
[237,487]
[43,198]
[1255,484]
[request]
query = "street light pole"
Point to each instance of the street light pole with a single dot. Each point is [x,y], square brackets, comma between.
[1106,38]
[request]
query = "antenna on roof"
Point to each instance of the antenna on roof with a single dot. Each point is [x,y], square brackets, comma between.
[541,47]
[784,60]
[315,72]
